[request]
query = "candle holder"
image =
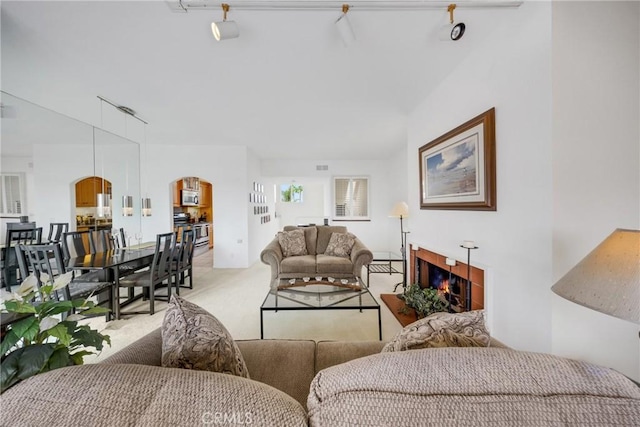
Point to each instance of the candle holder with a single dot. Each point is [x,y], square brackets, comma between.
[451,263]
[468,245]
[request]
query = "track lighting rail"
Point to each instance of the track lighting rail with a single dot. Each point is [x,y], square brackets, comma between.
[364,5]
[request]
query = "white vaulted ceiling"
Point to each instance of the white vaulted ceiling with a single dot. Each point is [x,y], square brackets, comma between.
[287,87]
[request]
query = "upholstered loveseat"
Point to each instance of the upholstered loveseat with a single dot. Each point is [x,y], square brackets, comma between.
[342,383]
[323,250]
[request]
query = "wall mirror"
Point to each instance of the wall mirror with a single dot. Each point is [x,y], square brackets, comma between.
[45,157]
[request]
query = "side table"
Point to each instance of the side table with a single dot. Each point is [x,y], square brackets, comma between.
[383,262]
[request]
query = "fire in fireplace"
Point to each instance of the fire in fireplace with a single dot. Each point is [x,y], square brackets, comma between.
[450,286]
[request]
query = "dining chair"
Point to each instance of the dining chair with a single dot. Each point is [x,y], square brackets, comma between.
[158,273]
[122,238]
[55,231]
[48,259]
[77,243]
[184,260]
[103,240]
[17,233]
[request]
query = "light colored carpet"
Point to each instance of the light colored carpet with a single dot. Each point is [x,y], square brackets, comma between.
[234,296]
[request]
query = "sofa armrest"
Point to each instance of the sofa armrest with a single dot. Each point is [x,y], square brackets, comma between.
[272,255]
[360,256]
[145,351]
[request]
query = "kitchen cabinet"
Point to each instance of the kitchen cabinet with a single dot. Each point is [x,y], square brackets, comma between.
[205,194]
[87,190]
[177,197]
[210,236]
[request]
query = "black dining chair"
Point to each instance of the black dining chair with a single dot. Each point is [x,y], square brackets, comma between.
[17,234]
[48,259]
[122,238]
[77,243]
[158,273]
[184,260]
[55,231]
[103,240]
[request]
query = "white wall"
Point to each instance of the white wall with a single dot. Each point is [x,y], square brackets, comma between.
[312,209]
[375,233]
[56,170]
[511,72]
[259,233]
[596,163]
[223,166]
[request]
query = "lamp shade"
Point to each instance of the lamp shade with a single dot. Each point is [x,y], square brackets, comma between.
[146,206]
[103,209]
[223,30]
[401,209]
[608,278]
[127,205]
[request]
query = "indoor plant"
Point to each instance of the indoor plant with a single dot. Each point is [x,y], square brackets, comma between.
[45,339]
[424,301]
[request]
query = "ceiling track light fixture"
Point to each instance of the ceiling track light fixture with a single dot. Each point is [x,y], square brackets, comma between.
[224,29]
[360,5]
[344,27]
[453,31]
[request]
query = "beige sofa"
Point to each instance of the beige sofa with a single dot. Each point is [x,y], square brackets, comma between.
[316,263]
[343,383]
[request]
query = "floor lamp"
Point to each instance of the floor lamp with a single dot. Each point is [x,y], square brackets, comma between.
[401,210]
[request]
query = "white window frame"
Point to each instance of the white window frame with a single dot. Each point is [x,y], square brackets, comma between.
[8,206]
[349,209]
[300,201]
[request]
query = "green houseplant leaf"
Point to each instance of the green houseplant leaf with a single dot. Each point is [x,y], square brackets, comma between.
[42,340]
[424,301]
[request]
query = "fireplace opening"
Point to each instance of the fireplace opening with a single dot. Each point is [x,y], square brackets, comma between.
[429,269]
[450,286]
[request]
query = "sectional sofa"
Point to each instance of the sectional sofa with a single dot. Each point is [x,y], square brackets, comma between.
[297,383]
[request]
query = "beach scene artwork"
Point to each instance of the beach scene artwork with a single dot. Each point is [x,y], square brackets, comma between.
[453,170]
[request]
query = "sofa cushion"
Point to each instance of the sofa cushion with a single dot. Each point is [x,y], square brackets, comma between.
[139,395]
[298,265]
[292,243]
[471,387]
[287,365]
[340,245]
[333,265]
[192,338]
[324,235]
[442,330]
[310,236]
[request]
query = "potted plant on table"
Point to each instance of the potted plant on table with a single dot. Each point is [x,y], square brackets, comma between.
[43,339]
[424,301]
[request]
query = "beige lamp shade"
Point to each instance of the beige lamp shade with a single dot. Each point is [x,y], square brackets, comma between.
[607,279]
[401,209]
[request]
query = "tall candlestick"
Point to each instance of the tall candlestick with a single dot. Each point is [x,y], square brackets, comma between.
[468,245]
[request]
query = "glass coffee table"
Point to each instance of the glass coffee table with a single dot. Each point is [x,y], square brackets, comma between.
[319,293]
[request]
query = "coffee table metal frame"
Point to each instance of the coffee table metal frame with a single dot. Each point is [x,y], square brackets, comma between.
[282,295]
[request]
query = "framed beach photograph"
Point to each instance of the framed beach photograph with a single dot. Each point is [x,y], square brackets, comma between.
[458,169]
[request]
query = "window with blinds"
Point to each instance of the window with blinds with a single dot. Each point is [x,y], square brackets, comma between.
[351,198]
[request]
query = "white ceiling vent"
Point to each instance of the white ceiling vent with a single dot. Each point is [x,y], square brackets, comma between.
[322,167]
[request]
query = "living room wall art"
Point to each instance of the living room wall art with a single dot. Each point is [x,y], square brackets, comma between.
[458,169]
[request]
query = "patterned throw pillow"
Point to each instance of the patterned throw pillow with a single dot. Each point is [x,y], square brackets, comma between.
[292,243]
[340,244]
[442,330]
[194,339]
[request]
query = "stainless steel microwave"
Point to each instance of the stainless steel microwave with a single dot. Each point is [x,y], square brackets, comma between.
[189,198]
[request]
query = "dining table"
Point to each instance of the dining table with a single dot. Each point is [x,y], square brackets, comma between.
[114,264]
